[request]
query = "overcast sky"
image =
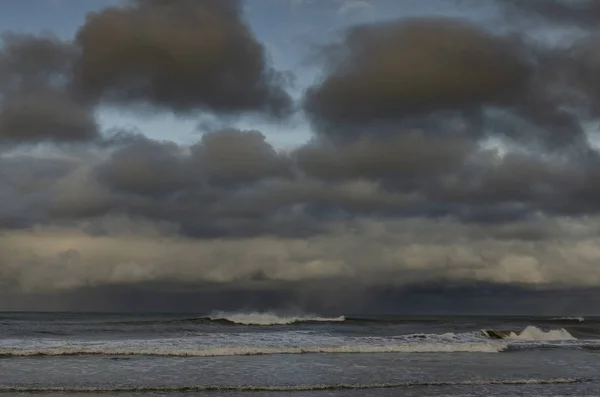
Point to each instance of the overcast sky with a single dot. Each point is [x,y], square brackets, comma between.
[323,155]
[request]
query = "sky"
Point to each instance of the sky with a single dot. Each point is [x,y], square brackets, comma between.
[310,155]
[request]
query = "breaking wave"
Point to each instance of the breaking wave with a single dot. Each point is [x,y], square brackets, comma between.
[268,319]
[570,319]
[282,388]
[475,347]
[530,333]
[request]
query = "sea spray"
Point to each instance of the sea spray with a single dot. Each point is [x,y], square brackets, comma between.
[264,319]
[532,333]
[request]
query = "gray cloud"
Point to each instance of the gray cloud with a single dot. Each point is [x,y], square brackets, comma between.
[184,57]
[25,184]
[408,155]
[145,167]
[449,75]
[29,62]
[35,102]
[237,156]
[45,116]
[181,56]
[569,65]
[584,13]
[395,69]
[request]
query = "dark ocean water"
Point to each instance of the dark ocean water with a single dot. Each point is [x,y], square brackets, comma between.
[257,354]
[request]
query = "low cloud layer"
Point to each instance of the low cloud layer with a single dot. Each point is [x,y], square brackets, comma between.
[121,250]
[231,209]
[444,153]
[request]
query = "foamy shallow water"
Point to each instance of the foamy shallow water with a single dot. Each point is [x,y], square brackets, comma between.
[290,342]
[374,374]
[296,355]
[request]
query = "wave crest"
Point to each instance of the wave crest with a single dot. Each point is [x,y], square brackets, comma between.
[266,319]
[570,319]
[530,333]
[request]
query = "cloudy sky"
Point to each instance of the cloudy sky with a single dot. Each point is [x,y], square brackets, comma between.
[323,155]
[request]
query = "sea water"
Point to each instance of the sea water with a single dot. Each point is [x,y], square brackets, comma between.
[256,354]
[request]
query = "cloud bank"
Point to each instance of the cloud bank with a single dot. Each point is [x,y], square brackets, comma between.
[445,153]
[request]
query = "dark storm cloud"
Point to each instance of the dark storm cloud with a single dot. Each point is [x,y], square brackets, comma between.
[182,56]
[26,183]
[35,103]
[29,62]
[512,186]
[145,167]
[452,85]
[582,13]
[408,155]
[449,76]
[221,158]
[516,178]
[395,69]
[570,65]
[237,156]
[213,188]
[579,68]
[232,183]
[45,116]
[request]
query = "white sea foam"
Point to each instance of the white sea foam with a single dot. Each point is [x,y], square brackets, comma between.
[578,319]
[481,347]
[448,337]
[257,318]
[282,388]
[532,333]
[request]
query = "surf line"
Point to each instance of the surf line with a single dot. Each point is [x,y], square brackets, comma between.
[281,388]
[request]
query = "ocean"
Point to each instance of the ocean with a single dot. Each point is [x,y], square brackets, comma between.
[260,354]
